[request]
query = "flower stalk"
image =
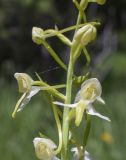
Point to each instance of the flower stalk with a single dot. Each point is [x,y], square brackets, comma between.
[66,110]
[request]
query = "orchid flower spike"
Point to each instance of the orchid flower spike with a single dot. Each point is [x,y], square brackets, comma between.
[44,148]
[25,87]
[76,154]
[90,91]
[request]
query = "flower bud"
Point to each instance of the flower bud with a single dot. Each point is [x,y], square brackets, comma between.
[37,35]
[44,148]
[24,82]
[85,34]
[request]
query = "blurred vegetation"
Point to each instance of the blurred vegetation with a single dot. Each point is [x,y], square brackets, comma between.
[20,54]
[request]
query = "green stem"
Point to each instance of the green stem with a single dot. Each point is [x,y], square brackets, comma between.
[81,15]
[66,110]
[65,153]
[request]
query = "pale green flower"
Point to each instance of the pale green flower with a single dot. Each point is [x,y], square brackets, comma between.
[44,148]
[28,90]
[90,91]
[26,87]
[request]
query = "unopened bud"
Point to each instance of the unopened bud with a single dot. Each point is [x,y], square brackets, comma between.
[85,34]
[37,35]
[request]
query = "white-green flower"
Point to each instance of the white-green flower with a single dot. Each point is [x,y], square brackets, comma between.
[90,91]
[44,148]
[25,87]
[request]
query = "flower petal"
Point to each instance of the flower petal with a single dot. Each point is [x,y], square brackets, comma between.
[34,90]
[100,100]
[76,154]
[90,110]
[87,156]
[66,105]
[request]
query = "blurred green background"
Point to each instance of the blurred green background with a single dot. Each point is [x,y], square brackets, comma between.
[19,54]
